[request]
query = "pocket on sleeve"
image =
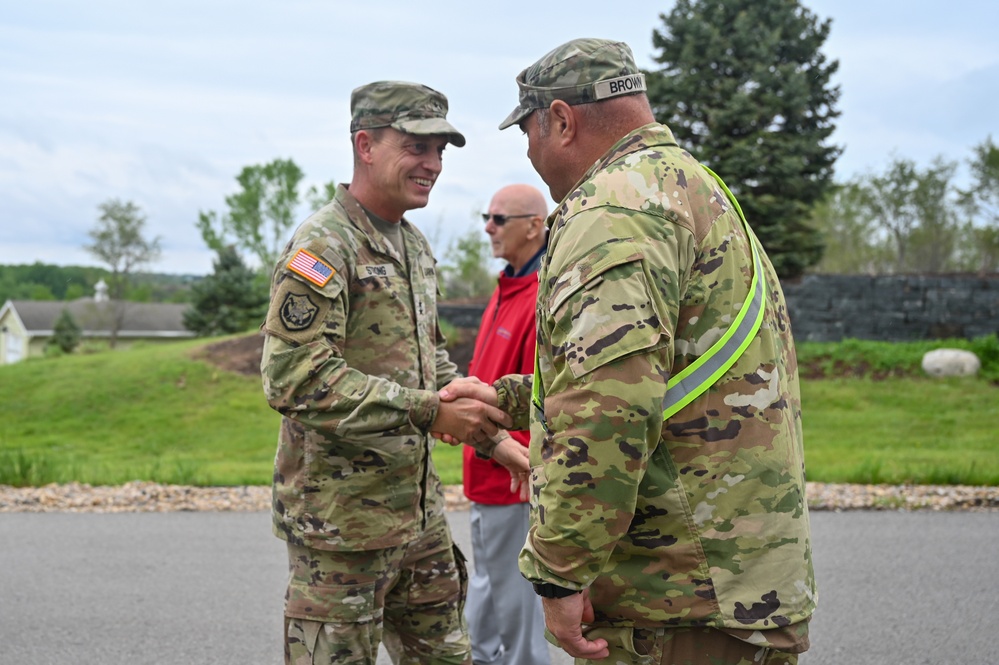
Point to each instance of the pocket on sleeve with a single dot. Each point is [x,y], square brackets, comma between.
[297,312]
[607,315]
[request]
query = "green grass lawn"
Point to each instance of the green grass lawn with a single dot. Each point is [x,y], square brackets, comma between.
[148,413]
[154,413]
[918,431]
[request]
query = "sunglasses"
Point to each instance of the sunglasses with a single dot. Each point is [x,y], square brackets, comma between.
[500,220]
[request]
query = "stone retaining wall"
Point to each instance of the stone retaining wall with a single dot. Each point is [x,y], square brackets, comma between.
[828,308]
[462,316]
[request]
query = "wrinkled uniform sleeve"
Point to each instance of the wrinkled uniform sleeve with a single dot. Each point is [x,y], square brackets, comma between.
[604,361]
[513,393]
[447,371]
[306,378]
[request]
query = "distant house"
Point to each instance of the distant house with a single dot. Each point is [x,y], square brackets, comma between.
[27,325]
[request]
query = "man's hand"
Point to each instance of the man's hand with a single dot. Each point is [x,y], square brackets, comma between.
[512,455]
[468,388]
[564,618]
[465,419]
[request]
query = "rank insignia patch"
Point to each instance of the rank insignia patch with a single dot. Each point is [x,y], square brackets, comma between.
[298,312]
[311,267]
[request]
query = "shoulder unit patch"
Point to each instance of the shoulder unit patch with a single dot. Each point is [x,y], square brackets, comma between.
[298,311]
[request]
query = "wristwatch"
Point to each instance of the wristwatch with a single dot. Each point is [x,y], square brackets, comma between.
[549,590]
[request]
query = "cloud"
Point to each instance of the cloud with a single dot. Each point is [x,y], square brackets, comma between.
[164,104]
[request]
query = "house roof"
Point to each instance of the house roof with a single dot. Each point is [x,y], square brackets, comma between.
[94,318]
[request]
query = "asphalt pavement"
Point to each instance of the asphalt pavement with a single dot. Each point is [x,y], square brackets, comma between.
[206,588]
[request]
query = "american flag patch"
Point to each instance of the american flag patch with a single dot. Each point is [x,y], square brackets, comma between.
[310,267]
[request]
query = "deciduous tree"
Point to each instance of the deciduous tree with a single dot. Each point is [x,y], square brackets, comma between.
[119,241]
[915,210]
[849,235]
[320,195]
[465,268]
[260,214]
[982,200]
[903,219]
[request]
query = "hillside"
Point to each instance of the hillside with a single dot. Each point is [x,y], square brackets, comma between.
[193,413]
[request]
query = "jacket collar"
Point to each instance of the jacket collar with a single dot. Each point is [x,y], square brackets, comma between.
[359,218]
[643,138]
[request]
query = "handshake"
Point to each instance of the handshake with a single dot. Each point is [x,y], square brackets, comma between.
[468,414]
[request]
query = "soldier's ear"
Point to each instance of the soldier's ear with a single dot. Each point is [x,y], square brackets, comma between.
[563,122]
[363,142]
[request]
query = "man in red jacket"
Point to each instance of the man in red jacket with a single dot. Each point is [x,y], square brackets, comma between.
[504,614]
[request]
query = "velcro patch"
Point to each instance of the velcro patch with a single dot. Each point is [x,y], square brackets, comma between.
[622,85]
[298,312]
[385,270]
[311,267]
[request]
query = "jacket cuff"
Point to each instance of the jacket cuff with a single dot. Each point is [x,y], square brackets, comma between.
[485,449]
[423,406]
[513,396]
[549,590]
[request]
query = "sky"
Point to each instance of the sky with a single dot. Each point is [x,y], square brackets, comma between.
[163,104]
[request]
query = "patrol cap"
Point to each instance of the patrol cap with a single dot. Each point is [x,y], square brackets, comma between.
[408,107]
[578,72]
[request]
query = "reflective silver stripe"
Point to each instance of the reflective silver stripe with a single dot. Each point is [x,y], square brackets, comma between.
[689,384]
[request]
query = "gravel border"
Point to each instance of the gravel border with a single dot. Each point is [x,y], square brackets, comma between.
[145,497]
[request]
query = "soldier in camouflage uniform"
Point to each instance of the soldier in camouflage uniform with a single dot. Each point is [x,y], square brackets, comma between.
[653,540]
[353,359]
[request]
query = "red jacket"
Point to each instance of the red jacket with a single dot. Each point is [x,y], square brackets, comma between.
[505,345]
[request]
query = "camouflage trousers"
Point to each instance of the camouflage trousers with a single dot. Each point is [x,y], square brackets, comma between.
[681,646]
[341,605]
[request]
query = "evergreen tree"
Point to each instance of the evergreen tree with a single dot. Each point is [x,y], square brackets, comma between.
[65,333]
[745,88]
[232,299]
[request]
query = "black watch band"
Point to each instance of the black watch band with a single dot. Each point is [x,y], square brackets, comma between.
[549,590]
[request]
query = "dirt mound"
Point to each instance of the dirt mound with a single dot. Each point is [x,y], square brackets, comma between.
[239,354]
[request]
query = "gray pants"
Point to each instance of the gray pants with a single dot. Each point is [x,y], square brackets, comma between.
[504,614]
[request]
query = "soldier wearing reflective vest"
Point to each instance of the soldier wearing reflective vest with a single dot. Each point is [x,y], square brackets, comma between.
[669,515]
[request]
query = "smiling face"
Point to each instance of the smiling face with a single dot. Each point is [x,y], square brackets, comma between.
[402,169]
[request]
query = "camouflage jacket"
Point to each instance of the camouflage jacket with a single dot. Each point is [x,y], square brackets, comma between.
[352,360]
[700,520]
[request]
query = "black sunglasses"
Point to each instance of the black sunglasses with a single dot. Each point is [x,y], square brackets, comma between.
[500,220]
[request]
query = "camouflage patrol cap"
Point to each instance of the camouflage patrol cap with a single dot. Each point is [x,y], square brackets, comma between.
[578,72]
[408,107]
